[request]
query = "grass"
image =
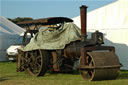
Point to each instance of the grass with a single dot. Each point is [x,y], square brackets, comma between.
[9,76]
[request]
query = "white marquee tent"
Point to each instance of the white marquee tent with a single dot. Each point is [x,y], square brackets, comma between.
[9,33]
[112,20]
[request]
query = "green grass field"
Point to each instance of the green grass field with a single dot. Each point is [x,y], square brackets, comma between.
[9,76]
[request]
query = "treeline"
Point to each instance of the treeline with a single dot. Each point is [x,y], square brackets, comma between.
[20,19]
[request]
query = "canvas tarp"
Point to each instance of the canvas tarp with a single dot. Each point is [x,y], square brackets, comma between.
[52,38]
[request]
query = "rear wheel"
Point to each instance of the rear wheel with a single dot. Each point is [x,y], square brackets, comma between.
[38,62]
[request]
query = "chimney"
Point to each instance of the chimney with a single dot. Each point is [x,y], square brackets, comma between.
[83,15]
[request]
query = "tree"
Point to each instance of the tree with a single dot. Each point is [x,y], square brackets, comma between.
[20,19]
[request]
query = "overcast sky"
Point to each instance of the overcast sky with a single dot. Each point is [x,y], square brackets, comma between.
[47,8]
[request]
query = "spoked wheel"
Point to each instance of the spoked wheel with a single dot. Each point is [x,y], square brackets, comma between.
[89,73]
[38,62]
[100,66]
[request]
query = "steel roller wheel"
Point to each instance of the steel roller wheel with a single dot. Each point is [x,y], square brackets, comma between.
[87,74]
[100,66]
[38,62]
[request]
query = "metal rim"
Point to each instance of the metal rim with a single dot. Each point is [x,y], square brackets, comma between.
[88,74]
[35,59]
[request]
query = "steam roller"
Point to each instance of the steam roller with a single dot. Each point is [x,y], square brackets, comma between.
[96,62]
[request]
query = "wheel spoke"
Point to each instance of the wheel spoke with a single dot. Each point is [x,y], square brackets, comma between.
[38,57]
[91,63]
[31,54]
[36,65]
[85,73]
[34,53]
[88,73]
[87,59]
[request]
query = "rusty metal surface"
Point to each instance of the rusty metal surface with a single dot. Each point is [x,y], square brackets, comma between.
[19,61]
[94,48]
[46,21]
[55,65]
[84,67]
[105,58]
[83,56]
[100,66]
[76,50]
[83,15]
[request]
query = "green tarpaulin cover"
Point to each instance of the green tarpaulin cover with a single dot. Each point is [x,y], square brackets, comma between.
[52,38]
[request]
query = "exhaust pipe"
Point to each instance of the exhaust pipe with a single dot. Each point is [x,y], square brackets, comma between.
[83,15]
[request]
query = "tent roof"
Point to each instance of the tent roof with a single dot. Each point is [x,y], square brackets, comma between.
[7,27]
[113,16]
[9,32]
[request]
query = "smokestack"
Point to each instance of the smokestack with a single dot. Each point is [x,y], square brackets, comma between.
[83,15]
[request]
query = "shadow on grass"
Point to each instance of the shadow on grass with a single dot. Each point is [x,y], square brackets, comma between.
[75,72]
[123,74]
[51,73]
[8,77]
[3,79]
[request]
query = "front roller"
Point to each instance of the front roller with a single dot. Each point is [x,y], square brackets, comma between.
[100,66]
